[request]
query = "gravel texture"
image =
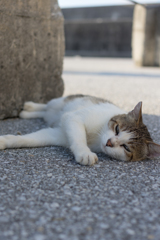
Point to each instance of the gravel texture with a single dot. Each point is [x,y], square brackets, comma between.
[46,195]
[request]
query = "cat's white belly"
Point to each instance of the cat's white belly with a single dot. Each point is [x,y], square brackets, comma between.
[56,108]
[93,115]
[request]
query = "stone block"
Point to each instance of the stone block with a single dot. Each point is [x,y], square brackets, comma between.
[31,53]
[146,36]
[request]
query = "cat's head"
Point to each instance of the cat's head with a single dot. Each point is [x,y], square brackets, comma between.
[127,138]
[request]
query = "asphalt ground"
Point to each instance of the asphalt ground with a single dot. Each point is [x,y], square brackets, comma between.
[46,195]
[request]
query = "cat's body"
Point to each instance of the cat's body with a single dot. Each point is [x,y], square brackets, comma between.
[87,125]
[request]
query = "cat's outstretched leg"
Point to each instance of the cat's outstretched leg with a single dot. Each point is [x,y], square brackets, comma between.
[76,135]
[44,137]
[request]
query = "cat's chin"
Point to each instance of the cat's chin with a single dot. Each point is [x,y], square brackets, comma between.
[103,148]
[110,152]
[107,151]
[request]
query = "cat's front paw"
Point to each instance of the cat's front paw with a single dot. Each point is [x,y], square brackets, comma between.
[87,158]
[2,143]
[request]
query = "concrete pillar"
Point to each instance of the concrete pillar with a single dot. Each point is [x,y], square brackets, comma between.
[31,53]
[146,36]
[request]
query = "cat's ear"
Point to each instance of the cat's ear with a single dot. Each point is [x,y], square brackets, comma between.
[153,149]
[136,113]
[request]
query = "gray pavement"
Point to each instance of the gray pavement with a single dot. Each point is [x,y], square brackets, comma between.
[45,195]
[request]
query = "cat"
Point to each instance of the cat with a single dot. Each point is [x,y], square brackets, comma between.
[86,125]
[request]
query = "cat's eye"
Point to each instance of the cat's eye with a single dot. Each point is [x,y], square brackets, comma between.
[126,147]
[117,130]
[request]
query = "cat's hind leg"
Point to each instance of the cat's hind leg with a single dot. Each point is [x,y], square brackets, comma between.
[32,107]
[44,137]
[36,114]
[33,110]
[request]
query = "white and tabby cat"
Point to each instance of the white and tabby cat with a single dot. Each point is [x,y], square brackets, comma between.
[87,125]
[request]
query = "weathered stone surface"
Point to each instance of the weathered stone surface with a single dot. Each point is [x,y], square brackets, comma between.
[31,53]
[146,36]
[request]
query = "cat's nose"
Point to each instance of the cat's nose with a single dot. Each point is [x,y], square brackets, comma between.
[109,143]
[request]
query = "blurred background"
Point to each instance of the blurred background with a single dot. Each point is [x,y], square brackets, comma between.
[105,28]
[95,3]
[112,50]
